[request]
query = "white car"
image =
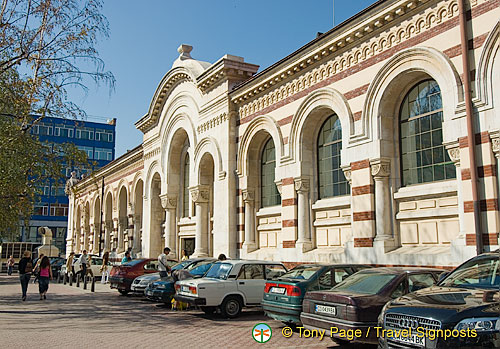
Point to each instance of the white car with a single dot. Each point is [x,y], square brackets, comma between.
[229,286]
[95,265]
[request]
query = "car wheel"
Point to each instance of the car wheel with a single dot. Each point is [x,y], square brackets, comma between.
[231,307]
[123,292]
[208,310]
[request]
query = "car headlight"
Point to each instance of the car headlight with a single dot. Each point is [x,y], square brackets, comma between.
[482,324]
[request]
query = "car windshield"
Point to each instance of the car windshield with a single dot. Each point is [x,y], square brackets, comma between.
[219,271]
[476,273]
[201,268]
[133,262]
[365,282]
[181,265]
[302,272]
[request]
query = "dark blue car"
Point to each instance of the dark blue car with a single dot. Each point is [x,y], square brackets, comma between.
[164,290]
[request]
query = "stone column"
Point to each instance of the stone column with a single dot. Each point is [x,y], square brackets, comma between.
[114,243]
[495,147]
[304,242]
[136,246]
[92,239]
[249,244]
[200,195]
[108,228]
[381,170]
[454,153]
[169,203]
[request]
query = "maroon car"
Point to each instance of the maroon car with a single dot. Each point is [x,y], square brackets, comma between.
[355,303]
[122,276]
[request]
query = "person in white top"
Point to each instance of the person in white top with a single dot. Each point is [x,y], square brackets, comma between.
[163,267]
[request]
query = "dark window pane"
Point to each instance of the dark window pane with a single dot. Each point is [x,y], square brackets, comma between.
[439,172]
[428,174]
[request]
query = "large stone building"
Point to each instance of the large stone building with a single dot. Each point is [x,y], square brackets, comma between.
[354,148]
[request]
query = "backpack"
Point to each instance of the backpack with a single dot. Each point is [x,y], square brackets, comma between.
[29,267]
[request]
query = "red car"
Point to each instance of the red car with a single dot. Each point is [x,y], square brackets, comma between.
[122,276]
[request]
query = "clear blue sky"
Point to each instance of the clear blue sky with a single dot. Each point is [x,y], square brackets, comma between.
[145,36]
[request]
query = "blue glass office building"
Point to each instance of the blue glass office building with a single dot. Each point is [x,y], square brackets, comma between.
[97,139]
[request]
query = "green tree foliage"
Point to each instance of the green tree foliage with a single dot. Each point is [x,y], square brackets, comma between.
[46,47]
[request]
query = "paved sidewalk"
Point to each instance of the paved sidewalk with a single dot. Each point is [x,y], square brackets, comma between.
[74,318]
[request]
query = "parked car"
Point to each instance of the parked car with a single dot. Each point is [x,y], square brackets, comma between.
[283,298]
[121,276]
[466,300]
[55,265]
[356,302]
[95,265]
[229,286]
[141,282]
[164,290]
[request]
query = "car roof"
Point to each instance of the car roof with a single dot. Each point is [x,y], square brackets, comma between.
[247,261]
[401,270]
[201,259]
[331,265]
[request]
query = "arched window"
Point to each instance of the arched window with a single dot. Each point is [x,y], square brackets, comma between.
[423,156]
[185,188]
[331,178]
[269,194]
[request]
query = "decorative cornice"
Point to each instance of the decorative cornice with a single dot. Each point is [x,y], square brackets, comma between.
[173,77]
[279,184]
[216,121]
[495,142]
[453,149]
[340,52]
[347,173]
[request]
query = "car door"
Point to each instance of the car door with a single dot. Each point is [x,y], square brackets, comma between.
[251,282]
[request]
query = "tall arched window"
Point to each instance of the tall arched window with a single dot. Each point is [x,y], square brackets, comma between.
[423,156]
[331,178]
[185,188]
[269,194]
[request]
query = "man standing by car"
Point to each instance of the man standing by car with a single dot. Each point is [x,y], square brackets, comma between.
[163,267]
[83,263]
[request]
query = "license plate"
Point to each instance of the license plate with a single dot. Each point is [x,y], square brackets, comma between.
[279,290]
[413,339]
[185,289]
[326,309]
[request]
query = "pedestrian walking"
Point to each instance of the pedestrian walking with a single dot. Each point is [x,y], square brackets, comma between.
[83,261]
[163,267]
[10,265]
[126,258]
[69,266]
[105,268]
[184,256]
[44,278]
[36,270]
[25,270]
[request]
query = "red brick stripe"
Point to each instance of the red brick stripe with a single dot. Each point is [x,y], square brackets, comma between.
[466,174]
[357,92]
[285,121]
[287,181]
[361,190]
[359,165]
[288,202]
[287,223]
[488,239]
[240,227]
[356,116]
[480,138]
[487,171]
[239,245]
[240,210]
[474,43]
[484,205]
[289,244]
[363,242]
[363,216]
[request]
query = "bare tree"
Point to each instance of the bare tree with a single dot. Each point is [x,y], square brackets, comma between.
[52,45]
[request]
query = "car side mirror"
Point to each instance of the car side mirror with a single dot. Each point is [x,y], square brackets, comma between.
[443,275]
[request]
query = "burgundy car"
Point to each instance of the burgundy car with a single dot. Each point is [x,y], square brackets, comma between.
[122,276]
[356,302]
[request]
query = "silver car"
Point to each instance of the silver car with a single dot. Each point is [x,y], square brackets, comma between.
[141,282]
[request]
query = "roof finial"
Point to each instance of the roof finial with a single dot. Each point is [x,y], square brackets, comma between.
[184,51]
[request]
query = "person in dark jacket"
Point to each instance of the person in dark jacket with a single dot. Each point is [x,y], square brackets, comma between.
[25,270]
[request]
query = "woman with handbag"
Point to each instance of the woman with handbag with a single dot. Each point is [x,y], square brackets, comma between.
[25,270]
[45,276]
[105,268]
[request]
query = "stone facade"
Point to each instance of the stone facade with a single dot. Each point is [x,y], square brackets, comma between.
[200,179]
